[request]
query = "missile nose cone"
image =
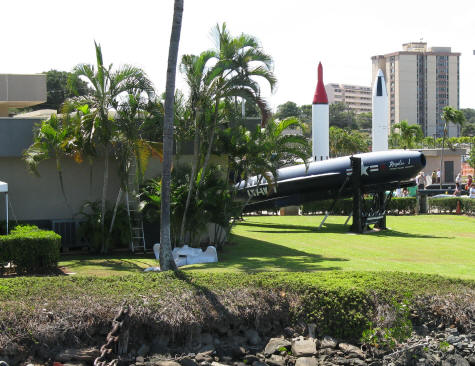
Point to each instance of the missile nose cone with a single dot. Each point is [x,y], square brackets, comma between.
[380,72]
[320,96]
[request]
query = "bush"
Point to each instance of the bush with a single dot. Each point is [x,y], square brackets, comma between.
[449,205]
[30,249]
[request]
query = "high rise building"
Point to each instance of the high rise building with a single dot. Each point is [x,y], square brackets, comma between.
[420,83]
[357,98]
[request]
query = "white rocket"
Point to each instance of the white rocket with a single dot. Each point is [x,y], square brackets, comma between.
[380,129]
[320,120]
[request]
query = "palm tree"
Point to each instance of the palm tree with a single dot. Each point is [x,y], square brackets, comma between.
[449,114]
[240,61]
[407,135]
[107,86]
[166,258]
[50,141]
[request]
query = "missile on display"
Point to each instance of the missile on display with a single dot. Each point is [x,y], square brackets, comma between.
[380,130]
[320,120]
[297,184]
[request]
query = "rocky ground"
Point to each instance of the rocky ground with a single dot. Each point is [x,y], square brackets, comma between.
[442,346]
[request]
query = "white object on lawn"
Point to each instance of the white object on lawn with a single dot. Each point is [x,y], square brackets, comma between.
[186,255]
[4,189]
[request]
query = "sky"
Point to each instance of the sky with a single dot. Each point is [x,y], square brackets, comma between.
[343,34]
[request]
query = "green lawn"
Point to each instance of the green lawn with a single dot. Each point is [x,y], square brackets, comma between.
[436,244]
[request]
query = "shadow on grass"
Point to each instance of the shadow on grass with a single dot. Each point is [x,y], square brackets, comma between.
[332,229]
[252,255]
[112,263]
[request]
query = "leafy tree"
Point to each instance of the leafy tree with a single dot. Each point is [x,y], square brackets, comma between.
[288,109]
[342,116]
[449,115]
[57,90]
[344,142]
[364,120]
[404,135]
[471,159]
[166,258]
[469,126]
[98,126]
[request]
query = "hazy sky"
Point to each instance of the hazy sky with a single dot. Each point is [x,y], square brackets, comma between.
[343,34]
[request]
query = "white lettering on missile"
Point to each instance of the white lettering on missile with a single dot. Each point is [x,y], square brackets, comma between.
[256,192]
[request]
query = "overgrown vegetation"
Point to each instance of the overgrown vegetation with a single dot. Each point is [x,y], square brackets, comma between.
[342,304]
[30,249]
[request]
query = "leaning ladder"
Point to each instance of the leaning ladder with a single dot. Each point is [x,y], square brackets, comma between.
[137,237]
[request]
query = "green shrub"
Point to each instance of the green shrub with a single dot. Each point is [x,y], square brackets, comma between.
[402,205]
[30,249]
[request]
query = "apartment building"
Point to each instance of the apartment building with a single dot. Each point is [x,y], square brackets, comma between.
[357,98]
[421,81]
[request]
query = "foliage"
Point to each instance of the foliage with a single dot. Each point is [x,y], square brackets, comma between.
[342,116]
[57,90]
[449,205]
[398,331]
[397,206]
[90,231]
[288,109]
[405,136]
[364,120]
[471,159]
[30,249]
[344,142]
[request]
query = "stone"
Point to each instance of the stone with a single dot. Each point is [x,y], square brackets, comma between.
[306,361]
[250,359]
[204,356]
[456,360]
[452,339]
[140,359]
[304,347]
[78,354]
[143,350]
[207,348]
[167,363]
[252,337]
[328,342]
[357,362]
[214,363]
[276,360]
[259,363]
[187,362]
[275,345]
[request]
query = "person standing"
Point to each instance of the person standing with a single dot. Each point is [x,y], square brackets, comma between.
[438,175]
[434,177]
[472,191]
[458,179]
[469,182]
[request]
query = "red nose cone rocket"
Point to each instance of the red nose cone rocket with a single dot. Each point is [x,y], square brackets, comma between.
[320,96]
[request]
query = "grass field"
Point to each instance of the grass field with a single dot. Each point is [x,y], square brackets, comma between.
[435,244]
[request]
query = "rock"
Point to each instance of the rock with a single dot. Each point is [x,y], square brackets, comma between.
[214,363]
[340,361]
[259,363]
[207,348]
[140,359]
[143,350]
[471,360]
[252,337]
[167,363]
[275,345]
[452,339]
[276,360]
[456,360]
[328,342]
[306,361]
[250,359]
[78,354]
[357,362]
[303,347]
[187,362]
[203,356]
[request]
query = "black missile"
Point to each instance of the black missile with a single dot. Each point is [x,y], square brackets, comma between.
[297,184]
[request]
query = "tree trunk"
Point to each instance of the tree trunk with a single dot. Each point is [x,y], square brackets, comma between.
[194,168]
[166,258]
[61,184]
[104,197]
[114,214]
[442,157]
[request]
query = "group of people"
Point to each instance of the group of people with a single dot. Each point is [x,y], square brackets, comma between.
[459,186]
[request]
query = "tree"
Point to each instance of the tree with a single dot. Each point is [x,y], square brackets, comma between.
[404,135]
[57,90]
[364,120]
[342,116]
[471,158]
[166,258]
[98,126]
[288,109]
[343,142]
[449,115]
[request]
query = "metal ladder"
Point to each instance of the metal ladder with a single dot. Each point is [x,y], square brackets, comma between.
[137,237]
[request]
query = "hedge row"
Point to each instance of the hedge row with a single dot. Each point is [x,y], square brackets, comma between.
[449,205]
[397,206]
[30,249]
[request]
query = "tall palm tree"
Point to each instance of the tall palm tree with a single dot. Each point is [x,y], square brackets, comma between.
[240,64]
[449,115]
[50,141]
[166,258]
[107,85]
[407,135]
